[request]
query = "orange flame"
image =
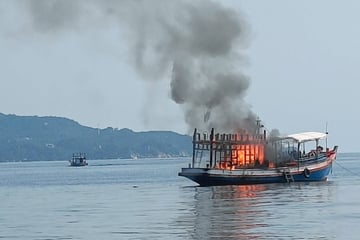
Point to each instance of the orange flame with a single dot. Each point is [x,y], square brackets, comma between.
[249,154]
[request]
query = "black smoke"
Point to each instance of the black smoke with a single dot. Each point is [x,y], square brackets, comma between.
[196,45]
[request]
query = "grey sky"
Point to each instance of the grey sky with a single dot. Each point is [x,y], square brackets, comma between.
[301,58]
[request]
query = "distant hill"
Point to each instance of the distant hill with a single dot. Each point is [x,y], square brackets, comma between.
[57,138]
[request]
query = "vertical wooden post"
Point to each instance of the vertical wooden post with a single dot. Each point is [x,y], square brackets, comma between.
[211,146]
[194,144]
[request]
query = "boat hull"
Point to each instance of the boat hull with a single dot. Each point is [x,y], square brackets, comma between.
[78,165]
[212,177]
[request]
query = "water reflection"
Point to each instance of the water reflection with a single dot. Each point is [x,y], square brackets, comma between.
[271,211]
[229,212]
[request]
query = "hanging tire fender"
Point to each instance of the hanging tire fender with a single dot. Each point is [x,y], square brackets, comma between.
[306,172]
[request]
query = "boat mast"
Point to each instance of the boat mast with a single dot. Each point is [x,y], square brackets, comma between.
[326,140]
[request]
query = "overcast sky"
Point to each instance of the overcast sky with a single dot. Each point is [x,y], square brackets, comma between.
[302,59]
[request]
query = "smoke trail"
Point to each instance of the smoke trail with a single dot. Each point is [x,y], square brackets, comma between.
[197,41]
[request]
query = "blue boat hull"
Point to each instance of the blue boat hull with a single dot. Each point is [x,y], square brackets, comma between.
[204,177]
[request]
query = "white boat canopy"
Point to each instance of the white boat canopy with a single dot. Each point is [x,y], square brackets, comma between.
[307,136]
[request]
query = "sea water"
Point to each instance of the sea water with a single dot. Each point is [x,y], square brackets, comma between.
[145,199]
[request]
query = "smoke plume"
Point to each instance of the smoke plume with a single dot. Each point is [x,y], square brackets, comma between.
[197,43]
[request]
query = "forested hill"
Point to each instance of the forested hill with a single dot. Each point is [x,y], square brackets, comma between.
[55,138]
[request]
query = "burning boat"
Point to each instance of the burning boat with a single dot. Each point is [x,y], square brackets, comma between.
[249,157]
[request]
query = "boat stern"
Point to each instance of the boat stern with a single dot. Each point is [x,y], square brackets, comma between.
[197,175]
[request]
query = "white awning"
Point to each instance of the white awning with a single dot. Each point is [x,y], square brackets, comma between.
[307,136]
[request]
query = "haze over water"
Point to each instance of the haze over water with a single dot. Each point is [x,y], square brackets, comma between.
[145,199]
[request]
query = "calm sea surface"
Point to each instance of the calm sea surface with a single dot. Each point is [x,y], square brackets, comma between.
[145,199]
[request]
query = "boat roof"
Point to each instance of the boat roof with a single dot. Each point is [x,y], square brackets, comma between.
[306,136]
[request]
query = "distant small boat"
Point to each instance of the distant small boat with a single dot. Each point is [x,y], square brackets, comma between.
[78,160]
[249,157]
